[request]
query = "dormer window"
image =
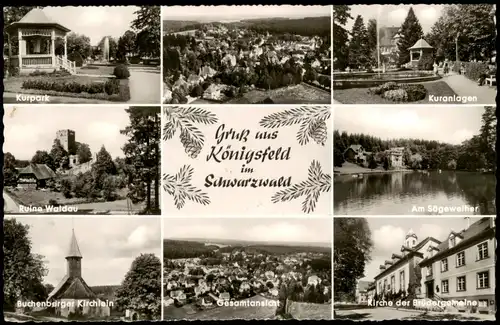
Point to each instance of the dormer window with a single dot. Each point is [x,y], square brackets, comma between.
[453,241]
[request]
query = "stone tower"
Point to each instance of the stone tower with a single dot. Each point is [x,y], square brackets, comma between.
[67,140]
[74,258]
[411,239]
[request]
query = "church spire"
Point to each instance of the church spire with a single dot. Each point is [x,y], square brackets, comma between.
[74,250]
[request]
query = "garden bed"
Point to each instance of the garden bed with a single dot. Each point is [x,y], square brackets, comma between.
[77,86]
[362,95]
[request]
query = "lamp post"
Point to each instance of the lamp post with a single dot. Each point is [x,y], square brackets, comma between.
[378,40]
[456,47]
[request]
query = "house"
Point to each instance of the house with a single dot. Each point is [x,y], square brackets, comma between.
[206,72]
[167,301]
[225,296]
[388,44]
[462,267]
[396,157]
[36,36]
[401,274]
[313,280]
[194,79]
[356,154]
[35,176]
[72,294]
[229,60]
[213,92]
[175,294]
[274,292]
[269,274]
[244,286]
[362,292]
[207,301]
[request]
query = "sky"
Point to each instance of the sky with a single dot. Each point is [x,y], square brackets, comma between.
[311,230]
[94,22]
[108,245]
[449,124]
[388,235]
[394,15]
[33,127]
[235,13]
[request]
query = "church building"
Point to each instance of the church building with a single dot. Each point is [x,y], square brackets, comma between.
[72,295]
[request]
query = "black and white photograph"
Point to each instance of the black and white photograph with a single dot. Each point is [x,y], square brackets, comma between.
[82,55]
[413,268]
[414,160]
[422,54]
[247,54]
[273,162]
[69,269]
[81,160]
[247,268]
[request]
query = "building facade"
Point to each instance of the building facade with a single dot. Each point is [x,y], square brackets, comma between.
[462,268]
[67,139]
[400,275]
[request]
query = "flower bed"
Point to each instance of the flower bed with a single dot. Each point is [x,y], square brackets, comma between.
[400,92]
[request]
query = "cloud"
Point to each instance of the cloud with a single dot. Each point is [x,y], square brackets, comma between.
[388,239]
[285,232]
[431,230]
[461,135]
[192,230]
[50,251]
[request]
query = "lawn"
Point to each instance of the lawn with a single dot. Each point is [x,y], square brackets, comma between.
[296,94]
[96,69]
[14,85]
[362,96]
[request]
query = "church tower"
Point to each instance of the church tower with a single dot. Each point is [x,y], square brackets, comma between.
[74,258]
[411,239]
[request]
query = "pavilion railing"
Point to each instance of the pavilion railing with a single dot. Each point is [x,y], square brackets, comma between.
[36,60]
[66,64]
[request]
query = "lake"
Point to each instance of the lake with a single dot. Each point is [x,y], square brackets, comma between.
[417,193]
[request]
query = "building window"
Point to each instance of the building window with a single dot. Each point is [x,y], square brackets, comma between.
[460,259]
[461,283]
[482,303]
[444,265]
[393,283]
[482,251]
[402,280]
[452,241]
[444,286]
[429,270]
[483,280]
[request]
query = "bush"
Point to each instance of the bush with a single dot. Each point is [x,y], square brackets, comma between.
[77,58]
[396,95]
[53,202]
[38,73]
[95,88]
[426,62]
[66,188]
[112,86]
[197,91]
[415,92]
[379,90]
[109,186]
[121,72]
[135,60]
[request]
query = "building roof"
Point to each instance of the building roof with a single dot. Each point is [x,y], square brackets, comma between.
[354,147]
[74,250]
[41,171]
[421,44]
[411,233]
[36,17]
[476,230]
[72,288]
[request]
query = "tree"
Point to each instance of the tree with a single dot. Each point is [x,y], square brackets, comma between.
[79,44]
[141,288]
[411,32]
[352,248]
[59,155]
[43,157]
[23,270]
[340,36]
[488,135]
[147,27]
[9,169]
[127,43]
[143,152]
[83,152]
[371,33]
[359,52]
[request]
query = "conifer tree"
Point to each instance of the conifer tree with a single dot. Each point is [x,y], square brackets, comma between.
[359,52]
[411,32]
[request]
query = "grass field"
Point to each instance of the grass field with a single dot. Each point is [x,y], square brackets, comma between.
[362,96]
[297,94]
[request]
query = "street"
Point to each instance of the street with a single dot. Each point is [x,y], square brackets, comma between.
[404,314]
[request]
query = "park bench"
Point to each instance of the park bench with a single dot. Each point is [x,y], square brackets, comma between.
[492,79]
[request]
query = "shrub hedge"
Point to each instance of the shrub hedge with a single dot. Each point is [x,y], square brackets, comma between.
[400,92]
[121,72]
[112,86]
[473,70]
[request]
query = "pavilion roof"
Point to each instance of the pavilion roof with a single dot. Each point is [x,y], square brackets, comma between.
[421,44]
[36,17]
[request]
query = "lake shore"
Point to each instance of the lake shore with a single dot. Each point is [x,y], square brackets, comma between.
[351,169]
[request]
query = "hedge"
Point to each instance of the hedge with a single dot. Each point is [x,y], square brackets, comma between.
[473,70]
[111,86]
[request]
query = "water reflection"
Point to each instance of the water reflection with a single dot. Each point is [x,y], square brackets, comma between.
[399,193]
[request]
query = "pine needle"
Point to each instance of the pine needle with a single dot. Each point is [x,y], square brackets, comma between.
[181,189]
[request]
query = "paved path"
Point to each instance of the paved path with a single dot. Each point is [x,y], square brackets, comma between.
[9,205]
[374,314]
[463,86]
[145,87]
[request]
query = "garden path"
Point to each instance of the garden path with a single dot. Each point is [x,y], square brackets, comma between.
[463,86]
[145,87]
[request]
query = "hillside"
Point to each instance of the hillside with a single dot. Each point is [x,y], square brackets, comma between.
[172,26]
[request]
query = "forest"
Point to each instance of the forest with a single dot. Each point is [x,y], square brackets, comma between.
[475,154]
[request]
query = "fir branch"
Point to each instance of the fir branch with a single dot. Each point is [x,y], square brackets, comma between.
[312,120]
[183,118]
[317,182]
[181,189]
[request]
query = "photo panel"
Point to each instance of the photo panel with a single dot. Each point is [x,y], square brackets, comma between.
[414,268]
[417,54]
[82,160]
[247,268]
[414,160]
[246,54]
[82,55]
[233,161]
[59,268]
